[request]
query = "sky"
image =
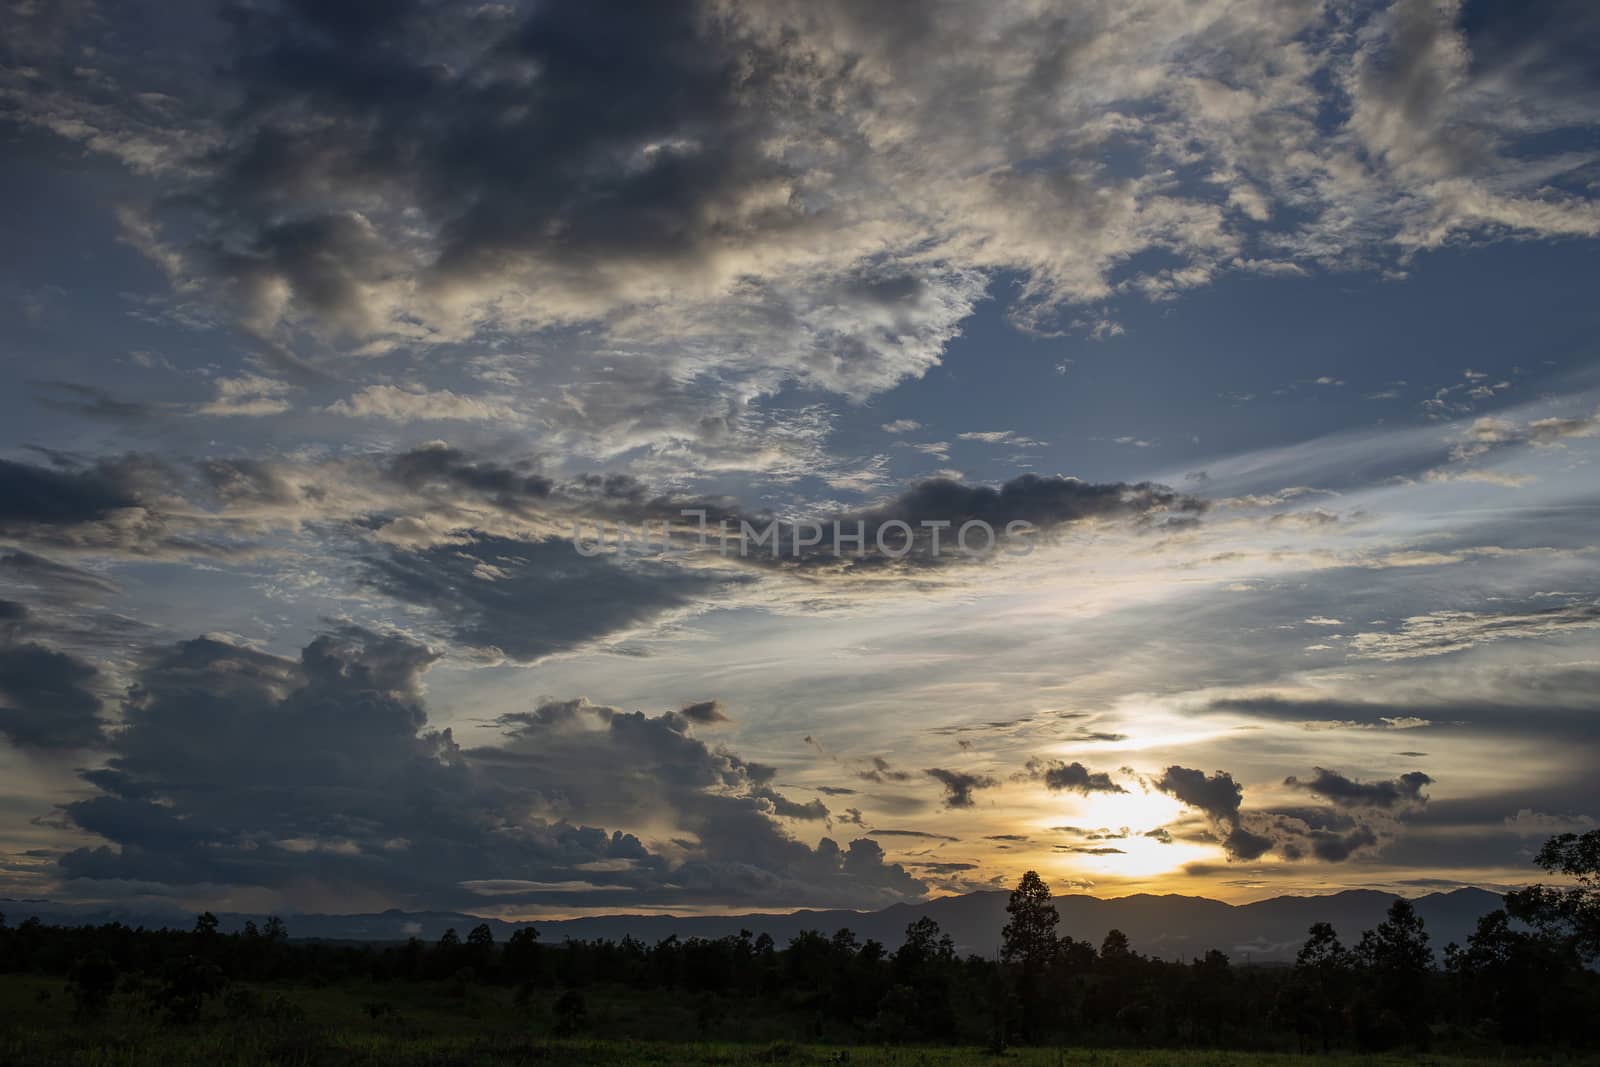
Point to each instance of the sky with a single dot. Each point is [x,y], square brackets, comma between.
[335,335]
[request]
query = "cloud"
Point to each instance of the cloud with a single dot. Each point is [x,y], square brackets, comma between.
[436,466]
[239,768]
[1074,777]
[62,581]
[744,199]
[1530,823]
[1440,633]
[901,426]
[1047,502]
[707,713]
[1336,848]
[105,506]
[959,786]
[1219,797]
[47,698]
[1551,703]
[92,402]
[1349,793]
[31,495]
[1360,821]
[528,599]
[249,395]
[420,405]
[1001,437]
[881,772]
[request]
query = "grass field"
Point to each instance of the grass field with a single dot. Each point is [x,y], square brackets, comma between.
[436,1026]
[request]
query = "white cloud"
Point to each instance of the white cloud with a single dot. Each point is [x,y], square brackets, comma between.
[248,395]
[1002,437]
[420,405]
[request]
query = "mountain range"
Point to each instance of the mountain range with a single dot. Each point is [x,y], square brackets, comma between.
[1170,926]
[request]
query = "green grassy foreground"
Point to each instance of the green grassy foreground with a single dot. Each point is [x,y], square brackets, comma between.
[439,1026]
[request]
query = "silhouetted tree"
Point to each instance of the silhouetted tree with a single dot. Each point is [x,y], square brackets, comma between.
[1028,942]
[1521,984]
[522,961]
[1527,985]
[1029,936]
[1573,912]
[1208,998]
[1115,951]
[1318,995]
[1395,961]
[480,950]
[445,959]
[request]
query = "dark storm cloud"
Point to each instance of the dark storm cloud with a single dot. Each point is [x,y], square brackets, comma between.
[1074,777]
[959,786]
[782,806]
[708,712]
[528,599]
[1336,848]
[1349,793]
[1332,835]
[1219,797]
[440,466]
[32,495]
[238,767]
[110,506]
[526,155]
[1046,501]
[46,697]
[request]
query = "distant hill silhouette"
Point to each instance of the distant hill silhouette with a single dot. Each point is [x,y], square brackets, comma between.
[1169,926]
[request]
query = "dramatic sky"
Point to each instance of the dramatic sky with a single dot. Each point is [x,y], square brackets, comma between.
[322,325]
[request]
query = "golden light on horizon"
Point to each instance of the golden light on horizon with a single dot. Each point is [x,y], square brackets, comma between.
[1107,834]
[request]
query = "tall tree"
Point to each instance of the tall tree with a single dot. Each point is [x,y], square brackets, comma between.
[1321,985]
[1030,935]
[1573,912]
[1398,961]
[1029,942]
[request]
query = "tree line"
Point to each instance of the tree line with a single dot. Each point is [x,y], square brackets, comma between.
[1525,977]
